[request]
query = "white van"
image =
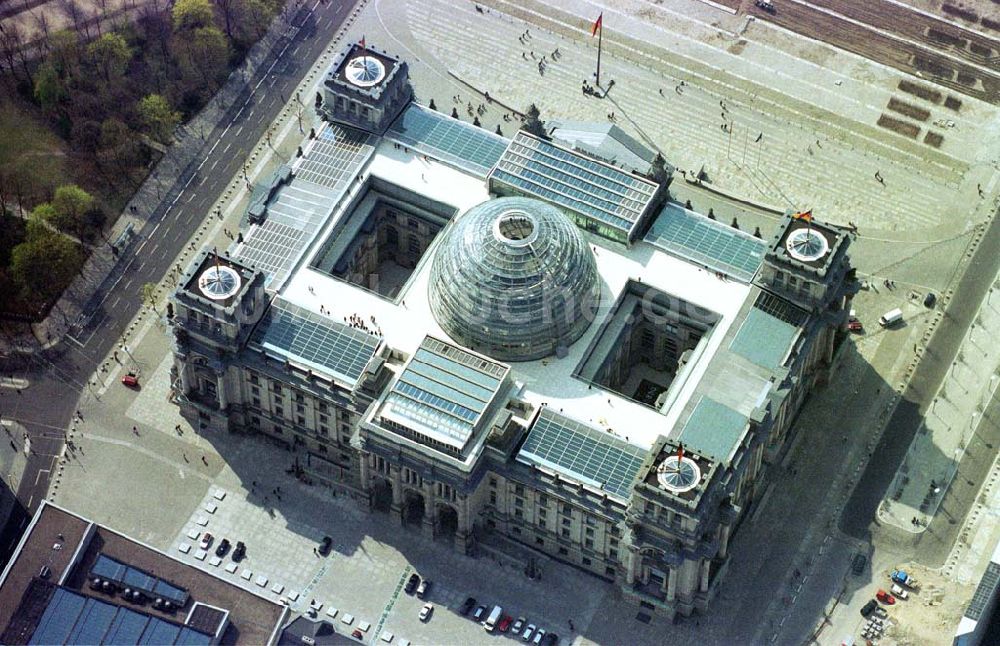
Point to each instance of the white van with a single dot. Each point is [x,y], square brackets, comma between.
[491,622]
[891,317]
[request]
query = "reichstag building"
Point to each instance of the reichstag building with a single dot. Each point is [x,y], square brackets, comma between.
[523,338]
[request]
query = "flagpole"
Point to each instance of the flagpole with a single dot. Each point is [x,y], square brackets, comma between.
[600,37]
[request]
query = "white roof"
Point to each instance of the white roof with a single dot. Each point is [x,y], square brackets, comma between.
[547,380]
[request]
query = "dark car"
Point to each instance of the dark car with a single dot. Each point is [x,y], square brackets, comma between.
[222,548]
[412,583]
[859,562]
[869,608]
[467,606]
[324,547]
[930,300]
[240,551]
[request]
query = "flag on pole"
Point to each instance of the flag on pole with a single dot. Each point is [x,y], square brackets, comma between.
[598,24]
[803,215]
[680,453]
[363,43]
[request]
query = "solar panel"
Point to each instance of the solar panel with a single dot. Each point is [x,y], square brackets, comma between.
[106,567]
[126,629]
[781,309]
[170,592]
[583,453]
[439,136]
[160,632]
[717,246]
[60,616]
[568,179]
[189,637]
[95,620]
[335,156]
[327,346]
[984,592]
[444,390]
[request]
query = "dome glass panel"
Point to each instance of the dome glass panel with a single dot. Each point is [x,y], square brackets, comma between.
[514,280]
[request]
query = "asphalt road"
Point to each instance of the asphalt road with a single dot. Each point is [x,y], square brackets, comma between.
[941,351]
[59,376]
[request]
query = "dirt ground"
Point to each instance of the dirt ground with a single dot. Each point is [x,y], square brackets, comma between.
[929,615]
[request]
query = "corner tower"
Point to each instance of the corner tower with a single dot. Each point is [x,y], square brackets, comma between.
[365,88]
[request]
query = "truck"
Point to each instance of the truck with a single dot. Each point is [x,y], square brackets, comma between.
[902,578]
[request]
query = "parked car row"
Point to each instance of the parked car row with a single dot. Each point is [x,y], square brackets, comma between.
[494,620]
[223,547]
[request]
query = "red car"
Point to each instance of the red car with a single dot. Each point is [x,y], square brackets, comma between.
[854,325]
[885,597]
[505,623]
[131,380]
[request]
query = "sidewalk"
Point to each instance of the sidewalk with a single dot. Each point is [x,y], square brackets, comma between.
[948,426]
[147,206]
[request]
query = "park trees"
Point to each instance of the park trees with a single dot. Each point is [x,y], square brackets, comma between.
[158,117]
[44,264]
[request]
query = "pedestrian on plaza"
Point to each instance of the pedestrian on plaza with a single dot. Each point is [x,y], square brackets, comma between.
[185,456]
[135,430]
[204,460]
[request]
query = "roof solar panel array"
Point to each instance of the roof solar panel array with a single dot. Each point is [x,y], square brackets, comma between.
[717,246]
[596,190]
[108,568]
[72,618]
[984,591]
[583,453]
[467,146]
[444,390]
[330,347]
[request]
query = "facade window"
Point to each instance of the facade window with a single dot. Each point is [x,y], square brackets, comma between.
[254,379]
[492,525]
[256,402]
[518,513]
[301,420]
[300,409]
[323,430]
[610,571]
[565,532]
[590,532]
[543,500]
[277,388]
[322,448]
[614,541]
[519,490]
[493,481]
[493,497]
[255,390]
[516,530]
[563,551]
[566,509]
[518,502]
[542,513]
[615,532]
[589,543]
[323,419]
[279,411]
[586,561]
[540,541]
[322,407]
[255,421]
[566,522]
[541,523]
[591,521]
[613,555]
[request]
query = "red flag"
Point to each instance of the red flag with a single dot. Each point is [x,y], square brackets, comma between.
[598,24]
[680,453]
[363,43]
[803,215]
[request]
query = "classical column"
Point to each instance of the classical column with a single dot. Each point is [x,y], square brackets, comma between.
[430,511]
[705,567]
[397,492]
[724,532]
[671,590]
[220,389]
[185,375]
[634,559]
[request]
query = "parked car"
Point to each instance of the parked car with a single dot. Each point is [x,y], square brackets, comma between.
[766,5]
[518,625]
[930,300]
[240,551]
[424,588]
[526,635]
[854,325]
[467,606]
[505,623]
[206,541]
[859,563]
[131,380]
[898,591]
[885,597]
[324,547]
[412,583]
[223,547]
[479,614]
[869,608]
[426,611]
[902,578]
[538,637]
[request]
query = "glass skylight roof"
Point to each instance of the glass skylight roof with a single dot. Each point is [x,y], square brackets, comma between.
[318,342]
[443,392]
[593,189]
[713,429]
[717,246]
[468,147]
[583,453]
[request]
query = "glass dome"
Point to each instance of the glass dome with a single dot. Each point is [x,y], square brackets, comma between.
[514,280]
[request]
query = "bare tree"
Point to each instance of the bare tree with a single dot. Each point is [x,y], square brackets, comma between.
[43,26]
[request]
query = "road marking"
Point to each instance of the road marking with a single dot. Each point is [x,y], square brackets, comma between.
[392,602]
[38,476]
